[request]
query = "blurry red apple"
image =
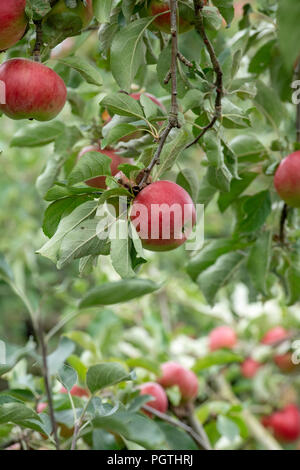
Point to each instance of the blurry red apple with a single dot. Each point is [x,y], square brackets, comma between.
[284,423]
[287,179]
[116,160]
[76,391]
[173,374]
[275,334]
[32,90]
[160,212]
[163,22]
[249,368]
[222,337]
[13,22]
[160,400]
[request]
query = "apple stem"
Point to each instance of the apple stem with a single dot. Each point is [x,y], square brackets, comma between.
[38,42]
[173,115]
[199,25]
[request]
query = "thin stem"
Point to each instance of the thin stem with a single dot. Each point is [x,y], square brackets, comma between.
[78,425]
[199,25]
[43,346]
[197,426]
[283,218]
[38,41]
[179,424]
[173,116]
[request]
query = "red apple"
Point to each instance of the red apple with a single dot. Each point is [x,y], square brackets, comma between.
[13,22]
[222,337]
[284,362]
[249,368]
[116,160]
[83,11]
[32,90]
[275,334]
[284,423]
[160,400]
[160,212]
[41,407]
[287,179]
[76,391]
[175,374]
[163,22]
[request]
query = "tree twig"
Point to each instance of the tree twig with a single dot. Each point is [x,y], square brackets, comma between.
[184,60]
[197,426]
[199,25]
[173,116]
[283,218]
[40,334]
[179,424]
[255,427]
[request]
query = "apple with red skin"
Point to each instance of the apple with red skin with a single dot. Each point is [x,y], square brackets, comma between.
[13,22]
[222,337]
[160,400]
[163,22]
[159,214]
[173,374]
[116,160]
[84,12]
[76,391]
[32,90]
[249,368]
[283,361]
[287,179]
[284,423]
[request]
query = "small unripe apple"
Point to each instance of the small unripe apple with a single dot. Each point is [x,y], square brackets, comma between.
[160,212]
[163,22]
[84,11]
[13,22]
[173,374]
[32,90]
[222,337]
[284,423]
[275,334]
[287,179]
[76,391]
[41,407]
[160,400]
[249,368]
[285,363]
[116,160]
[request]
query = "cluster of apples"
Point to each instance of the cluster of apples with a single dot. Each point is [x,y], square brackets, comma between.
[172,374]
[284,423]
[32,90]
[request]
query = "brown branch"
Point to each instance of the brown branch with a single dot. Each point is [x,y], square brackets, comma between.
[197,426]
[173,116]
[36,53]
[179,424]
[184,60]
[199,25]
[40,334]
[283,218]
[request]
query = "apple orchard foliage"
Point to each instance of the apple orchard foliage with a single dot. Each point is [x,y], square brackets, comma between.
[232,166]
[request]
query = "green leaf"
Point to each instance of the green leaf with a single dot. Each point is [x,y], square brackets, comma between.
[176,438]
[289,34]
[248,149]
[67,376]
[57,358]
[14,354]
[105,375]
[292,277]
[269,104]
[227,428]
[128,52]
[213,149]
[209,255]
[216,276]
[134,427]
[172,150]
[255,212]
[59,209]
[237,187]
[120,253]
[91,164]
[116,292]
[38,135]
[16,413]
[123,105]
[102,9]
[118,132]
[188,180]
[226,9]
[259,261]
[217,358]
[88,71]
